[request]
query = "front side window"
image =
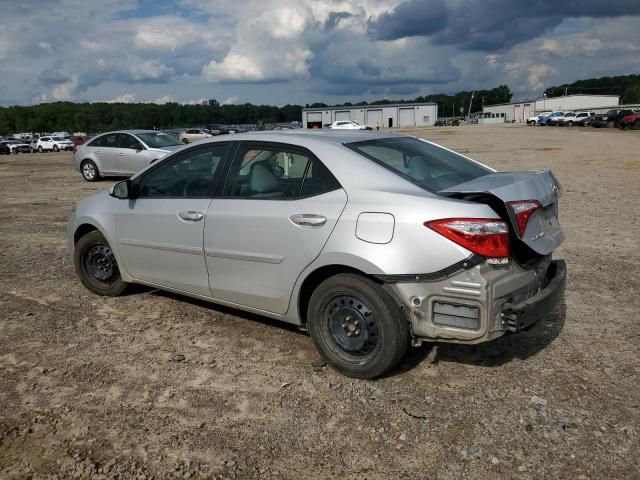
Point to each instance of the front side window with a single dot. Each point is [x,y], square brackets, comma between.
[431,167]
[128,141]
[192,174]
[108,140]
[274,172]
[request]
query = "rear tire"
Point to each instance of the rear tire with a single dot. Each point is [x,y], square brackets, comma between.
[356,326]
[40,150]
[89,171]
[97,267]
[185,141]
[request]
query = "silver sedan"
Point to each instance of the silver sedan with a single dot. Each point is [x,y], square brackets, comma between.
[121,153]
[369,242]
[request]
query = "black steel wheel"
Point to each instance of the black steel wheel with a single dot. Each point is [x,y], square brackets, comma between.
[356,326]
[96,265]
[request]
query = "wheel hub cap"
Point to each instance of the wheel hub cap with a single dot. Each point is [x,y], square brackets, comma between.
[101,263]
[88,170]
[352,325]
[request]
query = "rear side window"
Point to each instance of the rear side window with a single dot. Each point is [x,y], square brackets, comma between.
[276,172]
[431,167]
[108,140]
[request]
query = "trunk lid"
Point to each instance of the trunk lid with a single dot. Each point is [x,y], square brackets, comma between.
[543,233]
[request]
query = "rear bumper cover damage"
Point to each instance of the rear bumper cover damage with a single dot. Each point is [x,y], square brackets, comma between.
[480,302]
[517,316]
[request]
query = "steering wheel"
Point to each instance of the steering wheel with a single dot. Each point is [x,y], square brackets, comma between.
[200,182]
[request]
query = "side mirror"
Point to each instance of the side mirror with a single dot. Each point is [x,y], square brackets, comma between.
[122,190]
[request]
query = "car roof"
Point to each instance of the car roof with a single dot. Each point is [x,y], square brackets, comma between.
[132,131]
[338,137]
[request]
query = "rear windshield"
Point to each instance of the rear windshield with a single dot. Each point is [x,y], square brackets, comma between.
[429,166]
[159,139]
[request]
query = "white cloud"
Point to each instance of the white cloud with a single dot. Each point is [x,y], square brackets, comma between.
[305,50]
[198,101]
[66,90]
[231,100]
[162,100]
[124,98]
[149,70]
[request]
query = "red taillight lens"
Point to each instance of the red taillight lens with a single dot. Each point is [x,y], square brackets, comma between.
[523,209]
[483,236]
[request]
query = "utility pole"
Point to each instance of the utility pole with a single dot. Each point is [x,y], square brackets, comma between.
[470,103]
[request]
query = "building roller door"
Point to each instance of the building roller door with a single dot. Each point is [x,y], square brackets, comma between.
[374,118]
[314,119]
[342,116]
[407,117]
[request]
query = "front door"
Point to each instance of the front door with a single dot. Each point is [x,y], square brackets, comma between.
[160,232]
[279,207]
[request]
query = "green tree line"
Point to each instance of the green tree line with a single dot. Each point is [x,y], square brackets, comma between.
[99,117]
[626,86]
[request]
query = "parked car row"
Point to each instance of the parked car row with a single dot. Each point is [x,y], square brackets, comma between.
[620,118]
[13,147]
[200,133]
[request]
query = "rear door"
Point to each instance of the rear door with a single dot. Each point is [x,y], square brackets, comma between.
[104,149]
[160,232]
[279,206]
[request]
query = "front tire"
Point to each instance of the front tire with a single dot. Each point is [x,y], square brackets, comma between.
[185,141]
[356,326]
[89,171]
[55,148]
[40,149]
[97,267]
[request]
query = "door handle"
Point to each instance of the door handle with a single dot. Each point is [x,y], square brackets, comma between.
[308,219]
[190,216]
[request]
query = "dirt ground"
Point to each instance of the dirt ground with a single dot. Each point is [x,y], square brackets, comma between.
[90,386]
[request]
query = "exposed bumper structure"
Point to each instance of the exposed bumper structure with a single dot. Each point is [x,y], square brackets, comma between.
[517,316]
[480,302]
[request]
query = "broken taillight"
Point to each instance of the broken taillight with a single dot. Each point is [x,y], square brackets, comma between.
[523,209]
[483,236]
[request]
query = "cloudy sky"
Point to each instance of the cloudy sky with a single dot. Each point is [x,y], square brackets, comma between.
[302,51]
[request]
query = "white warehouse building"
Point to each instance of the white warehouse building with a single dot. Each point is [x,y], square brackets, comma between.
[520,111]
[399,115]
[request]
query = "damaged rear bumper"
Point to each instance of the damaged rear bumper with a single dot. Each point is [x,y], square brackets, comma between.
[517,316]
[480,302]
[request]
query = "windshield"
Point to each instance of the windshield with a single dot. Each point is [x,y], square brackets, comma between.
[429,166]
[58,139]
[158,139]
